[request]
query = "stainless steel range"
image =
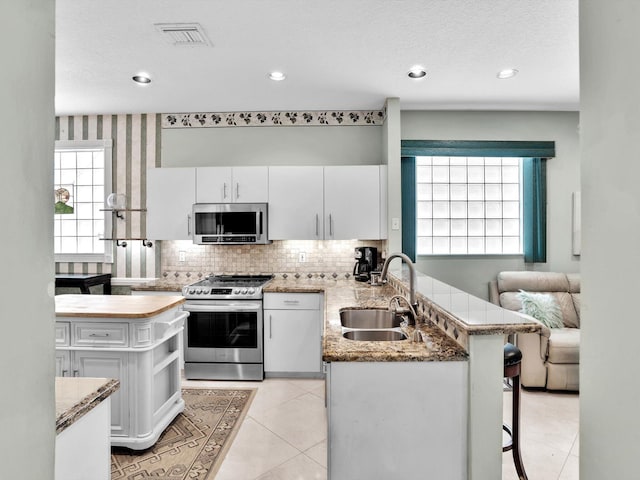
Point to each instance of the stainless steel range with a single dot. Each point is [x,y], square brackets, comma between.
[223,334]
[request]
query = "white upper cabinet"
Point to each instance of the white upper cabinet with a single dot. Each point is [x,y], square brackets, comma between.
[171,193]
[352,202]
[232,184]
[296,203]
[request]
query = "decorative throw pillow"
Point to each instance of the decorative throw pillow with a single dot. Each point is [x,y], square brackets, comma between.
[542,307]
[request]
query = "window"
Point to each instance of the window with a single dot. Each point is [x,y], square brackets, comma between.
[468,205]
[459,197]
[82,177]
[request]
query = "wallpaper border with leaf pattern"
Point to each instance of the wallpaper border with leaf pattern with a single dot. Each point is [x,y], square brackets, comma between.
[274,119]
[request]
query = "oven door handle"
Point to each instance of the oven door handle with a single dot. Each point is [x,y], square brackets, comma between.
[227,307]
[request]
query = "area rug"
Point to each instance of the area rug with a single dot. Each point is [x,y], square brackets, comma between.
[193,446]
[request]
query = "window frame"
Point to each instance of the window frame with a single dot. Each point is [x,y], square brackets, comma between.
[534,155]
[107,147]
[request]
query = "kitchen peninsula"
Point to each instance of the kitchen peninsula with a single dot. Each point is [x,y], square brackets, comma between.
[410,410]
[134,340]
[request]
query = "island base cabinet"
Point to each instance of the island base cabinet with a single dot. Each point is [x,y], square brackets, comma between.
[150,395]
[403,420]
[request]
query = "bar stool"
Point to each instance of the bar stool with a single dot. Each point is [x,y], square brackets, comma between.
[512,360]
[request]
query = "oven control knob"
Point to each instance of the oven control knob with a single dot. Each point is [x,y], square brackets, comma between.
[198,291]
[244,291]
[236,291]
[251,291]
[192,291]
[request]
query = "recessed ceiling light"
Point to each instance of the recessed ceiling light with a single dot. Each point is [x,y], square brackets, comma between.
[417,71]
[507,73]
[277,76]
[141,78]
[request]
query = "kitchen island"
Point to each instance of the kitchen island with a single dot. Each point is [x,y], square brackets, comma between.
[134,340]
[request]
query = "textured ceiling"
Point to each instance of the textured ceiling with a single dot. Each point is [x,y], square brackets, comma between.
[337,54]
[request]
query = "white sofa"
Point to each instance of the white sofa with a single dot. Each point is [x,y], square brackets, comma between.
[551,358]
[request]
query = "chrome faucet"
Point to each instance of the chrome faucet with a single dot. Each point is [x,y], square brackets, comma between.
[412,278]
[410,312]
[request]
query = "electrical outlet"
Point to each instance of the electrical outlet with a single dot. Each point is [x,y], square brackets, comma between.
[302,257]
[395,224]
[182,256]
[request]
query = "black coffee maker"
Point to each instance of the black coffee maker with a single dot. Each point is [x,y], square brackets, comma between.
[366,262]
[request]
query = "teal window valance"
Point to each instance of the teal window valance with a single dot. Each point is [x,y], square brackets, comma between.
[476,148]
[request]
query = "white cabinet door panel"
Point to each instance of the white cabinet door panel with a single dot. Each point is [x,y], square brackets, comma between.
[250,184]
[213,185]
[108,365]
[352,202]
[296,203]
[171,193]
[232,184]
[292,341]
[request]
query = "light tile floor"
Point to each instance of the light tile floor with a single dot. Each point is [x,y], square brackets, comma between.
[549,435]
[284,435]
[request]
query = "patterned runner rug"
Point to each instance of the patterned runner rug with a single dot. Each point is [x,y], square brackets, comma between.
[194,444]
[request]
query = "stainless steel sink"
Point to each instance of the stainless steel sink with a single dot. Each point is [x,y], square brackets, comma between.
[369,318]
[375,335]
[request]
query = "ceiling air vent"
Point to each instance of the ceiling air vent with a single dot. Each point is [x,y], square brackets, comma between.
[183,33]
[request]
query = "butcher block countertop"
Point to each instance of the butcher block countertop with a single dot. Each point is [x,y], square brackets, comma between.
[114,306]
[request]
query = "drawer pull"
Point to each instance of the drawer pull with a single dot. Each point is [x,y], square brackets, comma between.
[292,302]
[101,335]
[65,372]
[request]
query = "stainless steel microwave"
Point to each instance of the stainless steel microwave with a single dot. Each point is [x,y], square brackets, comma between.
[229,223]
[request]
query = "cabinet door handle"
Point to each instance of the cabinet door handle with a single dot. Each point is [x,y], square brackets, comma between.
[317,231]
[270,326]
[224,190]
[76,373]
[65,372]
[101,335]
[330,226]
[188,225]
[237,190]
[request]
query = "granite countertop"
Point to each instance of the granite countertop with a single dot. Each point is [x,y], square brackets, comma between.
[450,316]
[77,396]
[341,294]
[114,306]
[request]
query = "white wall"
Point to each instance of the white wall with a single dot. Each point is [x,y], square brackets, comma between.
[304,145]
[563,178]
[27,415]
[610,327]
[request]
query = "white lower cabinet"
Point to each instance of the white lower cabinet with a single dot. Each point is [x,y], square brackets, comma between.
[293,334]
